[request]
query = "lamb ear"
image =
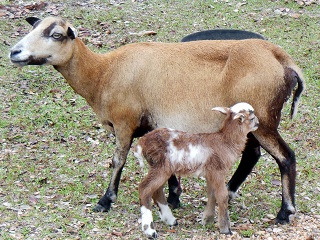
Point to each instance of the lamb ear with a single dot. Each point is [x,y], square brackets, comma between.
[32,20]
[223,110]
[239,116]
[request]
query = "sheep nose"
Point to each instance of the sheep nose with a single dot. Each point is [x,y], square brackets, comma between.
[14,52]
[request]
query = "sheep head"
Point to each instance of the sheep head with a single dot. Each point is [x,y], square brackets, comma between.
[243,113]
[49,43]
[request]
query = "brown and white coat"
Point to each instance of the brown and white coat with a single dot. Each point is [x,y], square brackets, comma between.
[210,155]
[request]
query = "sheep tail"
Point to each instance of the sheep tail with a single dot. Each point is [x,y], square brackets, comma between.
[297,75]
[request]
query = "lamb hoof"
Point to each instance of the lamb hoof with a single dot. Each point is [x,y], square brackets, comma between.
[175,223]
[207,220]
[172,221]
[233,195]
[100,208]
[227,232]
[152,234]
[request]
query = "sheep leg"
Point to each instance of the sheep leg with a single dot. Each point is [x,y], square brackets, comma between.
[174,192]
[147,188]
[123,143]
[222,201]
[272,142]
[250,157]
[208,214]
[164,210]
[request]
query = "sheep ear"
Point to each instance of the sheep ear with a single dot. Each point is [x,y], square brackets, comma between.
[32,20]
[223,110]
[72,33]
[239,116]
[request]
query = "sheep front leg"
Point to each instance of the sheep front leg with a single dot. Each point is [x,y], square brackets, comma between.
[208,214]
[123,143]
[152,187]
[222,201]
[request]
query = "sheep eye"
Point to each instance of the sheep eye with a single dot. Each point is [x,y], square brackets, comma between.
[57,36]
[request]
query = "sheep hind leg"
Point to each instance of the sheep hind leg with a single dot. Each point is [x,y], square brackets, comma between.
[148,188]
[164,210]
[174,192]
[250,157]
[272,142]
[145,193]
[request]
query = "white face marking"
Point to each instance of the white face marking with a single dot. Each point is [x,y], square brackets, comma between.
[36,46]
[166,215]
[241,106]
[146,220]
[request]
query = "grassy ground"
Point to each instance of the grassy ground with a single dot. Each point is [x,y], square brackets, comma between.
[55,157]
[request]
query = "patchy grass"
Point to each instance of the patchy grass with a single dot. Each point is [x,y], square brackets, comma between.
[55,157]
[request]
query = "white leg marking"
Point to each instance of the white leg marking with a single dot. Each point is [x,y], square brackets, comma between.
[291,208]
[147,222]
[166,215]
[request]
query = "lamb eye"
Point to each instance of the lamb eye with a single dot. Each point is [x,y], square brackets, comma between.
[57,35]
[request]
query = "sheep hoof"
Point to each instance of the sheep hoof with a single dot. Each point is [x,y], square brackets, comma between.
[100,208]
[283,217]
[282,221]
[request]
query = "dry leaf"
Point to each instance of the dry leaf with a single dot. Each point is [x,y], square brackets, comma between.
[116,233]
[144,33]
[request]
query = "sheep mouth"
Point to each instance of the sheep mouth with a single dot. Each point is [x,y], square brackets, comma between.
[20,63]
[30,61]
[256,126]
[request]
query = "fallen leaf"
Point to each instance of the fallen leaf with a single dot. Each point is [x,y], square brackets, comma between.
[276,182]
[270,216]
[36,6]
[295,15]
[144,33]
[116,233]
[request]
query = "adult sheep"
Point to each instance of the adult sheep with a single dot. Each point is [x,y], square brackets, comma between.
[143,86]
